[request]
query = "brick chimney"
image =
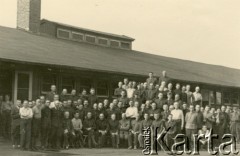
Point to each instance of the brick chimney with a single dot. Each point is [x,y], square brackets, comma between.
[28,15]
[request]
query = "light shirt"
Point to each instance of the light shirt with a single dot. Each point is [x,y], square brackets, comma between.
[130,92]
[191,120]
[26,113]
[77,124]
[197,96]
[177,114]
[37,112]
[132,112]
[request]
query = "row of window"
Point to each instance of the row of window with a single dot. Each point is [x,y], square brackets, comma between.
[80,37]
[218,98]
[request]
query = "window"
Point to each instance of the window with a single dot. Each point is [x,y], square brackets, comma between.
[218,98]
[211,97]
[102,88]
[103,41]
[77,36]
[85,83]
[205,94]
[226,98]
[68,83]
[65,34]
[114,44]
[125,45]
[234,99]
[23,85]
[114,85]
[47,81]
[90,39]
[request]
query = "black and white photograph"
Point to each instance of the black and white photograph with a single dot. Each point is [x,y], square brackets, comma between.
[119,77]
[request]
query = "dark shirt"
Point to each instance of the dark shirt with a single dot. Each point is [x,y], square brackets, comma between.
[50,96]
[56,117]
[67,125]
[150,94]
[74,97]
[199,119]
[89,123]
[184,97]
[160,103]
[166,79]
[46,116]
[113,126]
[124,101]
[63,97]
[118,91]
[102,125]
[92,99]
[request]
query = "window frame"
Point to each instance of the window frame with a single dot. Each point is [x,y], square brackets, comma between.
[102,38]
[66,30]
[90,36]
[119,43]
[77,33]
[125,43]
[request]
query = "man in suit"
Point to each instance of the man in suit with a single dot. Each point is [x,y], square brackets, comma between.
[16,124]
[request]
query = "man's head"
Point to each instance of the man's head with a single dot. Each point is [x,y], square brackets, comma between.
[120,84]
[92,91]
[223,108]
[113,116]
[160,95]
[38,103]
[204,127]
[170,117]
[84,92]
[131,103]
[101,116]
[42,99]
[183,89]
[197,108]
[176,105]
[76,115]
[125,81]
[165,107]
[56,97]
[64,91]
[69,103]
[154,106]
[66,114]
[111,106]
[47,103]
[18,103]
[85,103]
[89,115]
[25,104]
[136,104]
[100,105]
[120,105]
[177,97]
[188,87]
[74,92]
[150,74]
[123,93]
[146,116]
[184,105]
[170,86]
[53,88]
[156,116]
[191,108]
[197,89]
[178,86]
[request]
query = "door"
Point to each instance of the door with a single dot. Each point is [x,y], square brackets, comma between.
[23,86]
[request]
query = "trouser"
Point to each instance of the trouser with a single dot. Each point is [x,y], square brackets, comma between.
[238,132]
[115,139]
[91,138]
[78,140]
[25,131]
[1,124]
[6,121]
[16,135]
[68,139]
[189,137]
[101,139]
[140,140]
[56,134]
[36,125]
[124,135]
[45,133]
[135,139]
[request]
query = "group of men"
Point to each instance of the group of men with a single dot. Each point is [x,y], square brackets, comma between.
[81,120]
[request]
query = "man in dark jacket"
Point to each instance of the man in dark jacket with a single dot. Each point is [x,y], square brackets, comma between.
[50,95]
[89,126]
[45,124]
[16,124]
[102,128]
[56,125]
[92,98]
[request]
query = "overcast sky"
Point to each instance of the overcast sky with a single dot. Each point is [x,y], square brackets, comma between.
[199,30]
